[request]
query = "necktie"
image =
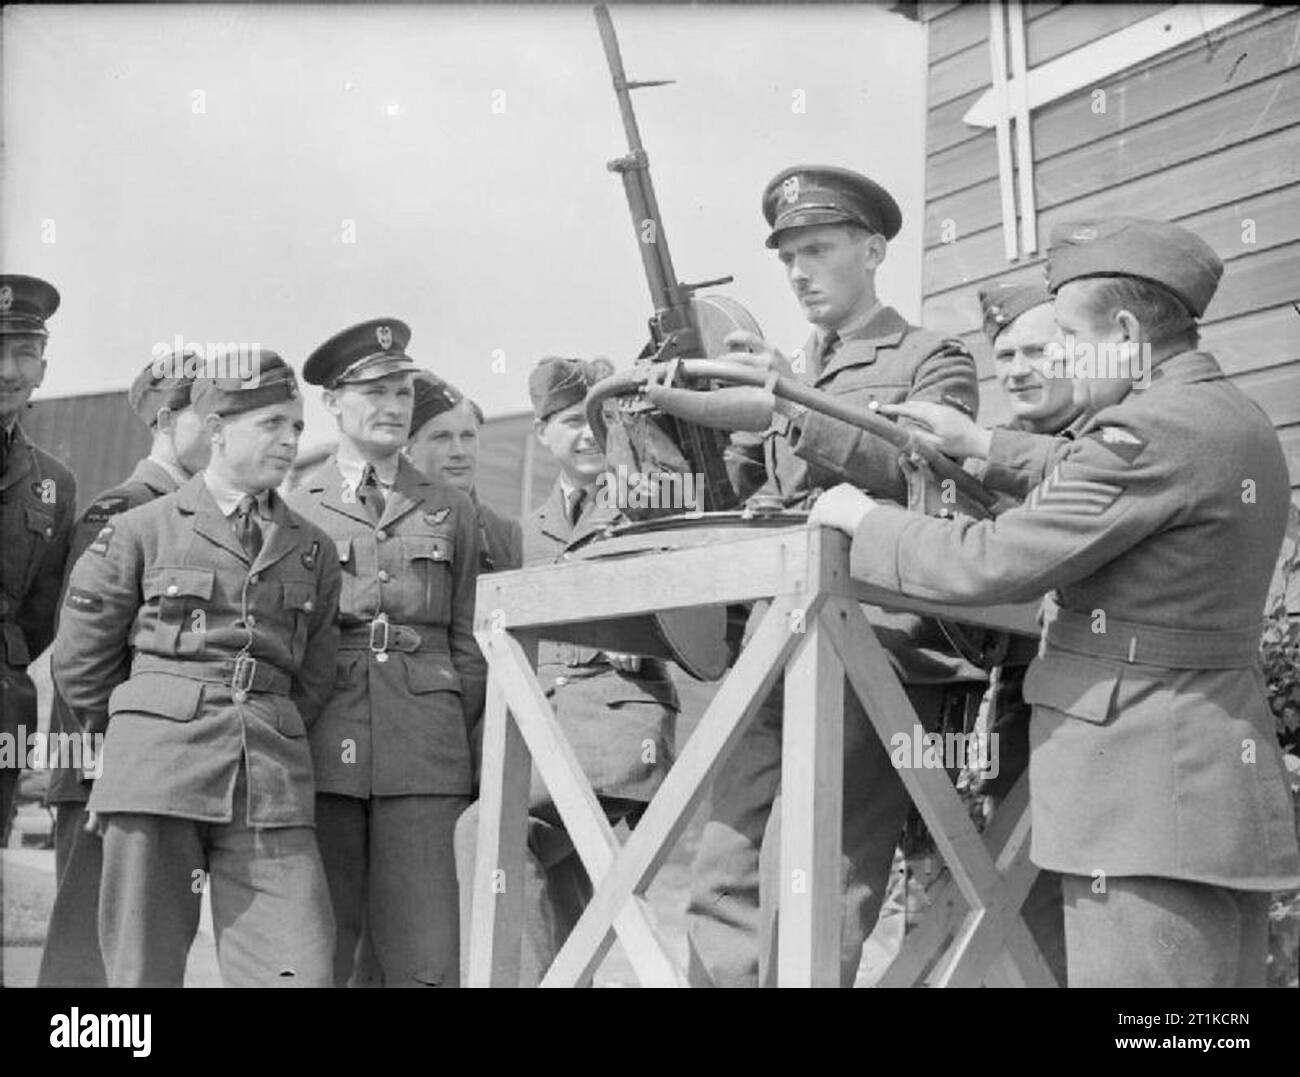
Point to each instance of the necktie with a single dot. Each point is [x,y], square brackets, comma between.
[369,494]
[247,528]
[829,347]
[576,506]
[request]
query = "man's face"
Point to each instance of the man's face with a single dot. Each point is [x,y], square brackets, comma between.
[832,270]
[1020,360]
[568,435]
[446,447]
[189,439]
[374,415]
[22,366]
[254,451]
[1077,317]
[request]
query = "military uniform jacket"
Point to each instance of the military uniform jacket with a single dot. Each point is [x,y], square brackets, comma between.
[404,724]
[620,725]
[148,481]
[1153,748]
[889,361]
[168,588]
[501,540]
[38,498]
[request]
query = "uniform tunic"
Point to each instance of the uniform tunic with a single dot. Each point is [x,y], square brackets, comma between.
[404,725]
[1153,749]
[167,592]
[149,480]
[620,724]
[501,540]
[38,498]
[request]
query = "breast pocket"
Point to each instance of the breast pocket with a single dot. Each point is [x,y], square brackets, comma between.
[431,559]
[183,597]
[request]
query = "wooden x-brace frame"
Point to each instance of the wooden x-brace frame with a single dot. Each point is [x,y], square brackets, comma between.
[814,632]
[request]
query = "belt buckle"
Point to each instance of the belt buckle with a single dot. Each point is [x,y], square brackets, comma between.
[241,681]
[381,651]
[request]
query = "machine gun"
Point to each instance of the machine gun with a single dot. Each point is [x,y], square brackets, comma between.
[683,326]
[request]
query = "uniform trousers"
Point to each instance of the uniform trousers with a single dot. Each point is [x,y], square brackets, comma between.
[732,917]
[71,957]
[270,904]
[390,862]
[1145,931]
[556,886]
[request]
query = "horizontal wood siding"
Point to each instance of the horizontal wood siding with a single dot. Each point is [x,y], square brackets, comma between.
[1207,134]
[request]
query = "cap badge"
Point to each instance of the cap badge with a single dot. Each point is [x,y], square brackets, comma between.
[385,337]
[6,299]
[1084,234]
[790,189]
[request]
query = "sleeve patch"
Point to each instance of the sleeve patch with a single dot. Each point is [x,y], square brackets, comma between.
[100,545]
[86,601]
[105,507]
[1077,497]
[1123,443]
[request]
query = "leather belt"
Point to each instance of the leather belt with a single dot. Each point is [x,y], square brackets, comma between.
[381,636]
[241,674]
[1152,645]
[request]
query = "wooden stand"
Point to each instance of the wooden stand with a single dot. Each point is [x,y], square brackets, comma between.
[814,632]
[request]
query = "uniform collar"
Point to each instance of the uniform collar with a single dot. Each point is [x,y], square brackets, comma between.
[228,498]
[352,466]
[860,323]
[1185,368]
[154,475]
[178,477]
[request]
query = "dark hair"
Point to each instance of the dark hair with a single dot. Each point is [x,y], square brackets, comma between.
[1164,317]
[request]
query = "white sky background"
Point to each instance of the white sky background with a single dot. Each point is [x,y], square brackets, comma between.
[483,231]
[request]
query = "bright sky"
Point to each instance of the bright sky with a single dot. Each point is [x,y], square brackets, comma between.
[273,174]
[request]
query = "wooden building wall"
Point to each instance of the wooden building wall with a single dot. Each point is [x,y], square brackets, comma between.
[1206,134]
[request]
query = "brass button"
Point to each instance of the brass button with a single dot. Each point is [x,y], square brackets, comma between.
[308,605]
[252,621]
[240,696]
[382,656]
[381,534]
[173,590]
[255,578]
[384,577]
[560,682]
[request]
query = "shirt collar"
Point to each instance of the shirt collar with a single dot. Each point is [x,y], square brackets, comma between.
[228,497]
[352,466]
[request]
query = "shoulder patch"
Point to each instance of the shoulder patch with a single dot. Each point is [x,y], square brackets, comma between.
[100,545]
[435,518]
[106,507]
[86,601]
[1123,443]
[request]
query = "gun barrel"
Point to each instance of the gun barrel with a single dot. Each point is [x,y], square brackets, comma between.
[634,170]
